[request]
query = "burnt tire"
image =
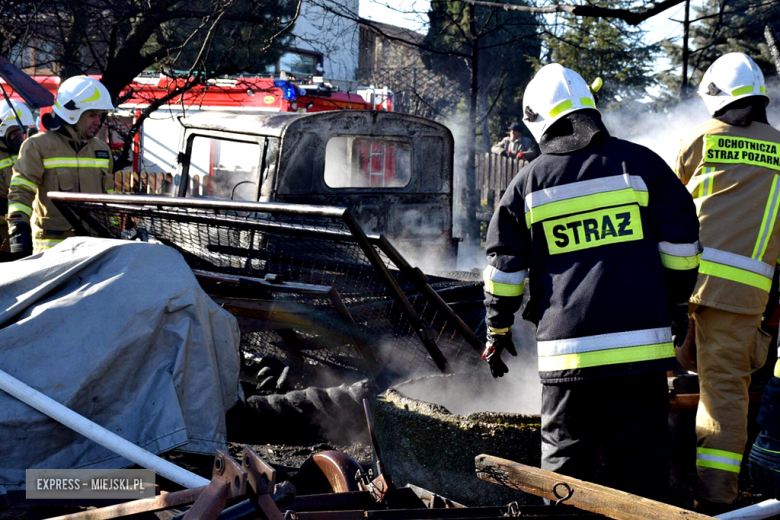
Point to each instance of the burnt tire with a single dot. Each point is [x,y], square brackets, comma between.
[310,415]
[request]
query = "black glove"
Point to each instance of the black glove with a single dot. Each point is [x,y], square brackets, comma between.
[765,454]
[21,239]
[498,340]
[679,314]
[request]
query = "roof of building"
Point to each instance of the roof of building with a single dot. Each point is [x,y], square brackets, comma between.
[393,31]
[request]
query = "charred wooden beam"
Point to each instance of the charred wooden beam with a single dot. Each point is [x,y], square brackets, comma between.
[581,494]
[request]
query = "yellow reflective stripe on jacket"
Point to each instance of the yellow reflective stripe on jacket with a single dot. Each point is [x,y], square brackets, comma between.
[500,283]
[605,349]
[78,162]
[24,183]
[5,163]
[728,149]
[705,182]
[718,459]
[680,257]
[737,268]
[576,197]
[18,206]
[768,221]
[47,243]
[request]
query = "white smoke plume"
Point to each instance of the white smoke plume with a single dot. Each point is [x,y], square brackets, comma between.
[662,131]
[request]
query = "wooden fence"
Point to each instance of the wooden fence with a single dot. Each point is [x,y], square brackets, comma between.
[494,173]
[144,182]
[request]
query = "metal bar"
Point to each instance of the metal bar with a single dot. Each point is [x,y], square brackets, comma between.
[287,287]
[183,202]
[419,280]
[364,351]
[97,433]
[147,505]
[396,292]
[76,220]
[380,466]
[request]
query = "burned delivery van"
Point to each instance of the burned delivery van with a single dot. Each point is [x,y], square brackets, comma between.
[394,171]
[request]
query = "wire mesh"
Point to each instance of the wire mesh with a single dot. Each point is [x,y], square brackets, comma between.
[304,249]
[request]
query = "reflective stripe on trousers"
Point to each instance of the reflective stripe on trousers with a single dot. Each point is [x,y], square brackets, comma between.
[737,268]
[605,349]
[718,459]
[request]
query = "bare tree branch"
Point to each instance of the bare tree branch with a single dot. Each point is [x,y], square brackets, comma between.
[631,17]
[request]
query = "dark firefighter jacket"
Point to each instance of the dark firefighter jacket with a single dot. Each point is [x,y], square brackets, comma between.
[607,237]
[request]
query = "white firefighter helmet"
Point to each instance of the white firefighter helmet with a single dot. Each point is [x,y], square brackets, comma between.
[78,94]
[8,116]
[731,77]
[554,92]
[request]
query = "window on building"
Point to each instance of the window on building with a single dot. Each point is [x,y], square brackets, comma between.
[44,58]
[296,62]
[21,56]
[367,162]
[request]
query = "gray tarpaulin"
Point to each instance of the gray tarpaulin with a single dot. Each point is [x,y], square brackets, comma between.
[121,333]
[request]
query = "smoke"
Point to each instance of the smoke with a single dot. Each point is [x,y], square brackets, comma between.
[662,131]
[659,131]
[518,391]
[468,257]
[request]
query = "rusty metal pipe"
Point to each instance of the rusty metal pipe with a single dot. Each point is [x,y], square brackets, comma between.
[147,505]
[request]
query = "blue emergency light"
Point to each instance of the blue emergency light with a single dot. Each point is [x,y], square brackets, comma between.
[289,90]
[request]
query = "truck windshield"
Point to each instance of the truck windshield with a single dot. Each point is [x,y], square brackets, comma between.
[367,162]
[223,169]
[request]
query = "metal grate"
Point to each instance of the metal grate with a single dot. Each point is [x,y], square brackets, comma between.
[294,264]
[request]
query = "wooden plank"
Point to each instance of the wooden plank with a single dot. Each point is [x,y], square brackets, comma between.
[586,495]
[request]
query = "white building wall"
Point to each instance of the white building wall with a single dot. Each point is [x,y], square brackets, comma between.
[336,38]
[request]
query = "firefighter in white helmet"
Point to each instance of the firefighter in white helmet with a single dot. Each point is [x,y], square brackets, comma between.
[11,137]
[730,165]
[67,157]
[592,220]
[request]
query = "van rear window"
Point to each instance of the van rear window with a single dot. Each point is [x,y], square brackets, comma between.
[367,162]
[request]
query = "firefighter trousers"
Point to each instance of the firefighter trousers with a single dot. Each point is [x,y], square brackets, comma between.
[625,419]
[729,348]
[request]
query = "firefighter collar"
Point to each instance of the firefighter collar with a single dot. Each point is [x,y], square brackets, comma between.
[573,132]
[744,112]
